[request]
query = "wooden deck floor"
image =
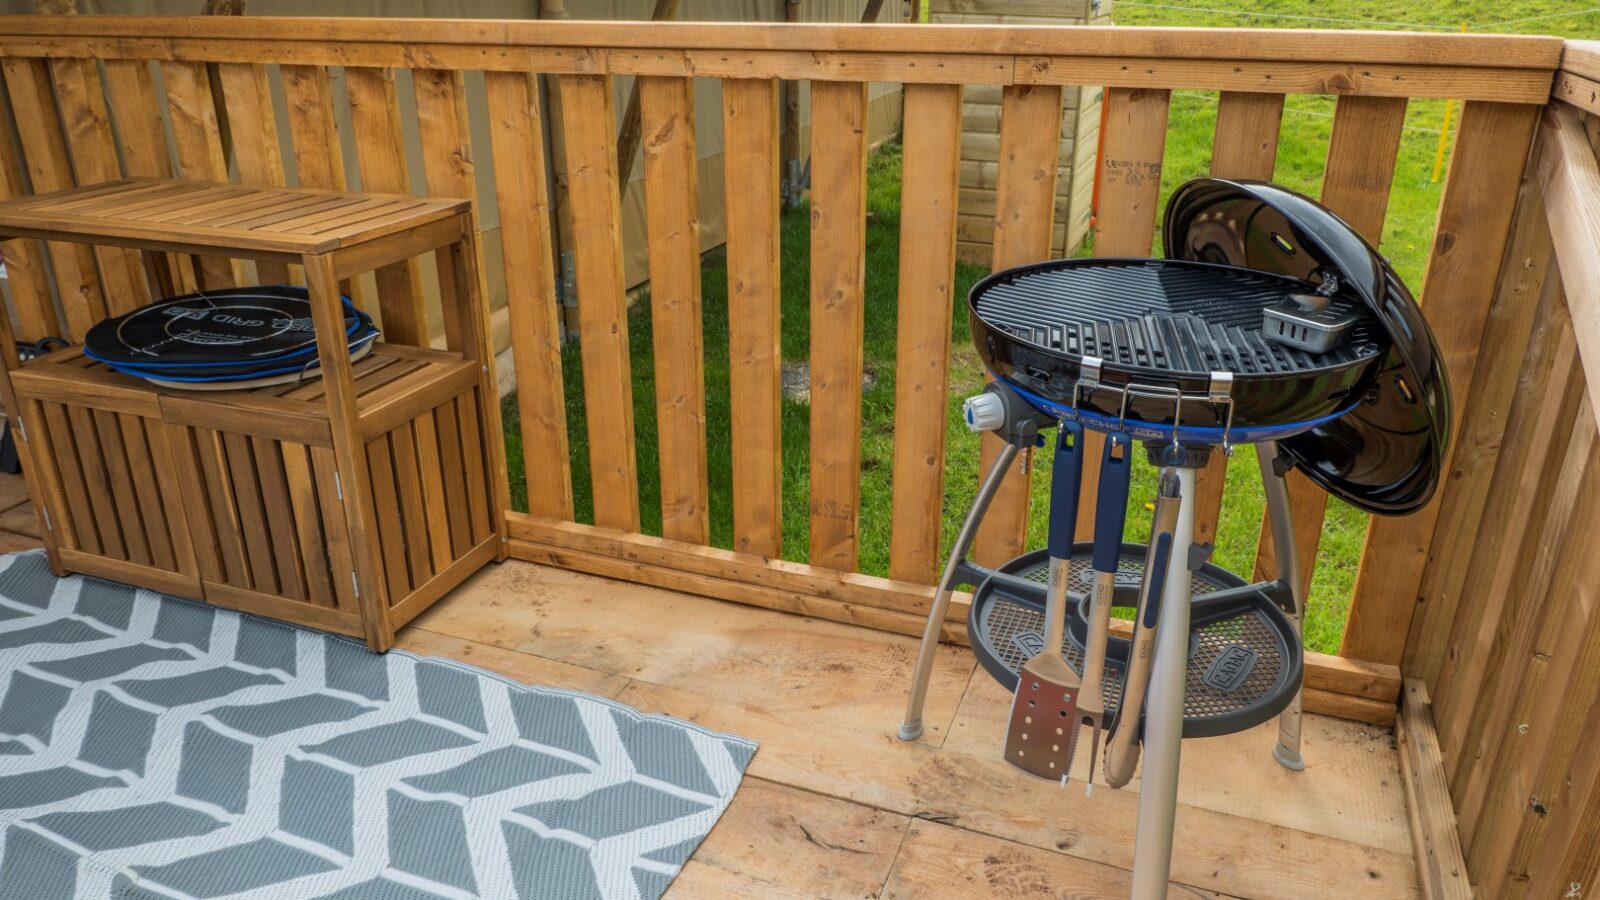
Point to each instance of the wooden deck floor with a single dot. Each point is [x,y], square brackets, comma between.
[834,806]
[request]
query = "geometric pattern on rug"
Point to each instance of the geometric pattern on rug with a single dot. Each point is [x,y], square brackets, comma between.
[153,748]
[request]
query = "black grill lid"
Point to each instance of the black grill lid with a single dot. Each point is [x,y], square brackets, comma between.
[1385,456]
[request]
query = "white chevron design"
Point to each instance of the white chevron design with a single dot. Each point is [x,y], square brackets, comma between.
[343,775]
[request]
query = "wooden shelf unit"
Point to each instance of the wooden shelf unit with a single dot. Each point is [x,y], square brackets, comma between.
[348,502]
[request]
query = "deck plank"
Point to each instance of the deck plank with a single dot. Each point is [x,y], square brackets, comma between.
[939,861]
[1351,788]
[806,669]
[777,841]
[522,667]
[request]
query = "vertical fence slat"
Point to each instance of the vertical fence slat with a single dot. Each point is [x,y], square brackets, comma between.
[1561,709]
[1471,520]
[131,91]
[750,172]
[314,141]
[381,162]
[450,171]
[1474,220]
[1246,143]
[87,124]
[1571,853]
[1246,146]
[1525,475]
[196,136]
[253,126]
[1030,140]
[46,162]
[515,139]
[672,206]
[589,116]
[447,164]
[1542,685]
[1355,185]
[1130,190]
[838,286]
[1496,709]
[928,204]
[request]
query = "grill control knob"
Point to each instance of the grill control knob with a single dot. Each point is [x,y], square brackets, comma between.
[985,412]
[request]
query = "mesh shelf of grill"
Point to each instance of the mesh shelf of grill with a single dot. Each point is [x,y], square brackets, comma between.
[1244,661]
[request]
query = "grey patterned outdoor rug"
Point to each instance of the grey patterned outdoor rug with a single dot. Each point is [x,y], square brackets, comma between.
[153,748]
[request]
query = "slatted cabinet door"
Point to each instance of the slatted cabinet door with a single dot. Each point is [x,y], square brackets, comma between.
[115,507]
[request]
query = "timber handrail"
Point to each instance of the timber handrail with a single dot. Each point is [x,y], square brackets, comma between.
[1395,64]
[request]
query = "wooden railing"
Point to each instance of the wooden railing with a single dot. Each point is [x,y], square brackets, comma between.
[88,105]
[1508,638]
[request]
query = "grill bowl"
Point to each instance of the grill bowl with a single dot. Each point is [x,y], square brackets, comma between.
[1163,324]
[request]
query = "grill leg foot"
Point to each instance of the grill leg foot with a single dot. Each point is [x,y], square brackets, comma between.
[1289,758]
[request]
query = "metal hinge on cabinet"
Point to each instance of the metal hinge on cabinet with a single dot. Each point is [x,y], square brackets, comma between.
[355,583]
[22,430]
[45,510]
[338,488]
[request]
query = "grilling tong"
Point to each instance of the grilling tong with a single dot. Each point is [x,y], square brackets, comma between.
[1051,699]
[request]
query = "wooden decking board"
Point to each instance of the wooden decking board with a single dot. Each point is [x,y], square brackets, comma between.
[808,670]
[823,699]
[779,841]
[834,806]
[943,861]
[1351,792]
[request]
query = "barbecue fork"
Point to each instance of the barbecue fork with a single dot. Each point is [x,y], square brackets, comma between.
[1044,713]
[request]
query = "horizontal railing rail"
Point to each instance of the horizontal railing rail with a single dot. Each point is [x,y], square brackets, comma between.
[96,98]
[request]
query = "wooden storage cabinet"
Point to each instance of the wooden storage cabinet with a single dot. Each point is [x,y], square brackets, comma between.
[348,502]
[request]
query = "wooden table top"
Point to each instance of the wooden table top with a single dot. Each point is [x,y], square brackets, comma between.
[225,217]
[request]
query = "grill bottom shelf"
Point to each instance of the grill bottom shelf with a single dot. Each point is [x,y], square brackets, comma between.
[1245,662]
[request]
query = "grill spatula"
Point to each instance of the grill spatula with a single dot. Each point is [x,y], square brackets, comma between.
[1111,509]
[1044,713]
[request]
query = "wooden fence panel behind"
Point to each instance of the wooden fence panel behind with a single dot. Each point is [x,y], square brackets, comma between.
[591,140]
[750,171]
[1518,679]
[928,204]
[515,135]
[838,307]
[1030,126]
[672,201]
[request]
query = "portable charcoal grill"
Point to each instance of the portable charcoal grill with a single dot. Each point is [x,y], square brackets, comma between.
[1271,322]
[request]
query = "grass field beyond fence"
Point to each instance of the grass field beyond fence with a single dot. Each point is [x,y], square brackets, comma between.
[1303,146]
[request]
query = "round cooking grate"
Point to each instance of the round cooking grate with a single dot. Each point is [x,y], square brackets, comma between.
[1244,663]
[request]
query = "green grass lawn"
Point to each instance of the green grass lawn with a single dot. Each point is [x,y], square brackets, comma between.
[1308,122]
